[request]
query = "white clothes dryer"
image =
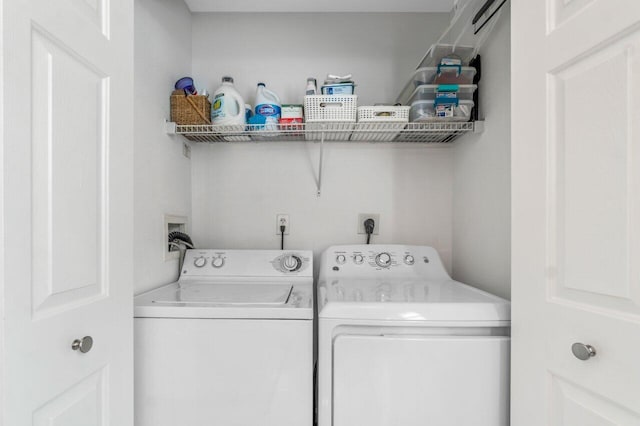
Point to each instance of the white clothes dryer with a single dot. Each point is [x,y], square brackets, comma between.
[230,343]
[401,343]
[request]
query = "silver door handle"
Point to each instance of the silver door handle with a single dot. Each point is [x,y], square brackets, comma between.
[583,352]
[83,345]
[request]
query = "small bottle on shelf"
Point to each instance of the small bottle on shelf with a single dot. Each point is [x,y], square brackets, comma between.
[312,88]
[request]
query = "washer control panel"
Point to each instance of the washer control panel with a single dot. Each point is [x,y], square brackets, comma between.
[249,263]
[216,261]
[289,262]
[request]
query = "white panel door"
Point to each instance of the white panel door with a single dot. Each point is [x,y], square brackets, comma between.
[576,212]
[67,212]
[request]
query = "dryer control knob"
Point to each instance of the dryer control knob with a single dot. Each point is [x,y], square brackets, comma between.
[291,263]
[358,259]
[217,262]
[199,262]
[409,260]
[383,260]
[341,258]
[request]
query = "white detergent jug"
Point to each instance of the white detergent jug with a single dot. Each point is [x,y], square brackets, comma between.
[228,106]
[268,105]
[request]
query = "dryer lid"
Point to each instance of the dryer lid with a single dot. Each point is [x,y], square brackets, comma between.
[409,300]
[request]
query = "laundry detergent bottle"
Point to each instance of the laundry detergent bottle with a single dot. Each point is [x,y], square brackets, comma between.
[228,106]
[268,105]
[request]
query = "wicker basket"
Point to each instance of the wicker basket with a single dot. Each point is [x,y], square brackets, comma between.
[190,109]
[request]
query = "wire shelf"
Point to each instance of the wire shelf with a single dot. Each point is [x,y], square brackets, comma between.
[433,132]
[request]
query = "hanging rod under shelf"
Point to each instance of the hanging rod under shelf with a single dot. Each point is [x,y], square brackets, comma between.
[432,132]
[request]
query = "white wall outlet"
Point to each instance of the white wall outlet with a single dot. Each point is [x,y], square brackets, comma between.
[364,216]
[283,219]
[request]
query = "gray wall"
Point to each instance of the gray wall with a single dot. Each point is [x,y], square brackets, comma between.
[162,174]
[482,178]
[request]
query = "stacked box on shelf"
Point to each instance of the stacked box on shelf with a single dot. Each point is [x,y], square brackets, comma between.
[438,52]
[441,90]
[380,123]
[424,101]
[333,115]
[436,75]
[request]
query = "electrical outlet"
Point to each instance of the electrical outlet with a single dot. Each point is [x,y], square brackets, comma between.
[283,219]
[364,216]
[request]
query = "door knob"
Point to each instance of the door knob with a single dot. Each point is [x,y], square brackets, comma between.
[83,345]
[583,352]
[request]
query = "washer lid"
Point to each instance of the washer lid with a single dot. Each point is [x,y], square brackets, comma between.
[221,294]
[230,299]
[409,300]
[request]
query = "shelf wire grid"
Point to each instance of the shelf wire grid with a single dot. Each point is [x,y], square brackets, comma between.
[431,132]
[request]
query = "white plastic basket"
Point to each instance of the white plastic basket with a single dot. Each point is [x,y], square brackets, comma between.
[324,108]
[335,114]
[375,122]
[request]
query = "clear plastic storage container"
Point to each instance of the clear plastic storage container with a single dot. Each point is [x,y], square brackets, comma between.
[424,111]
[438,51]
[430,75]
[427,92]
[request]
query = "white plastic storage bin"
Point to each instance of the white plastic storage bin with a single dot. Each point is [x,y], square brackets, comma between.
[427,92]
[424,111]
[430,75]
[336,114]
[380,123]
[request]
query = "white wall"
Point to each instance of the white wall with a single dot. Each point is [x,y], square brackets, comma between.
[162,173]
[481,188]
[283,49]
[239,188]
[2,207]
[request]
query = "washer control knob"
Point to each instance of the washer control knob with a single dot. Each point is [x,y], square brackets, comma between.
[199,262]
[341,259]
[358,259]
[217,262]
[291,263]
[409,260]
[383,260]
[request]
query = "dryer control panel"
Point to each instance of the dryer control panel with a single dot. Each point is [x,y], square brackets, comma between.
[383,260]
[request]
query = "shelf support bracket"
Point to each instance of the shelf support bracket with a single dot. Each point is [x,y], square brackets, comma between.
[320,162]
[169,127]
[478,126]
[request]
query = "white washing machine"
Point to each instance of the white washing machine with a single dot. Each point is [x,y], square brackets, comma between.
[400,343]
[230,343]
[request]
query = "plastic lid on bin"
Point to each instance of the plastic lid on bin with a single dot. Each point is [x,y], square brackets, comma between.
[428,92]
